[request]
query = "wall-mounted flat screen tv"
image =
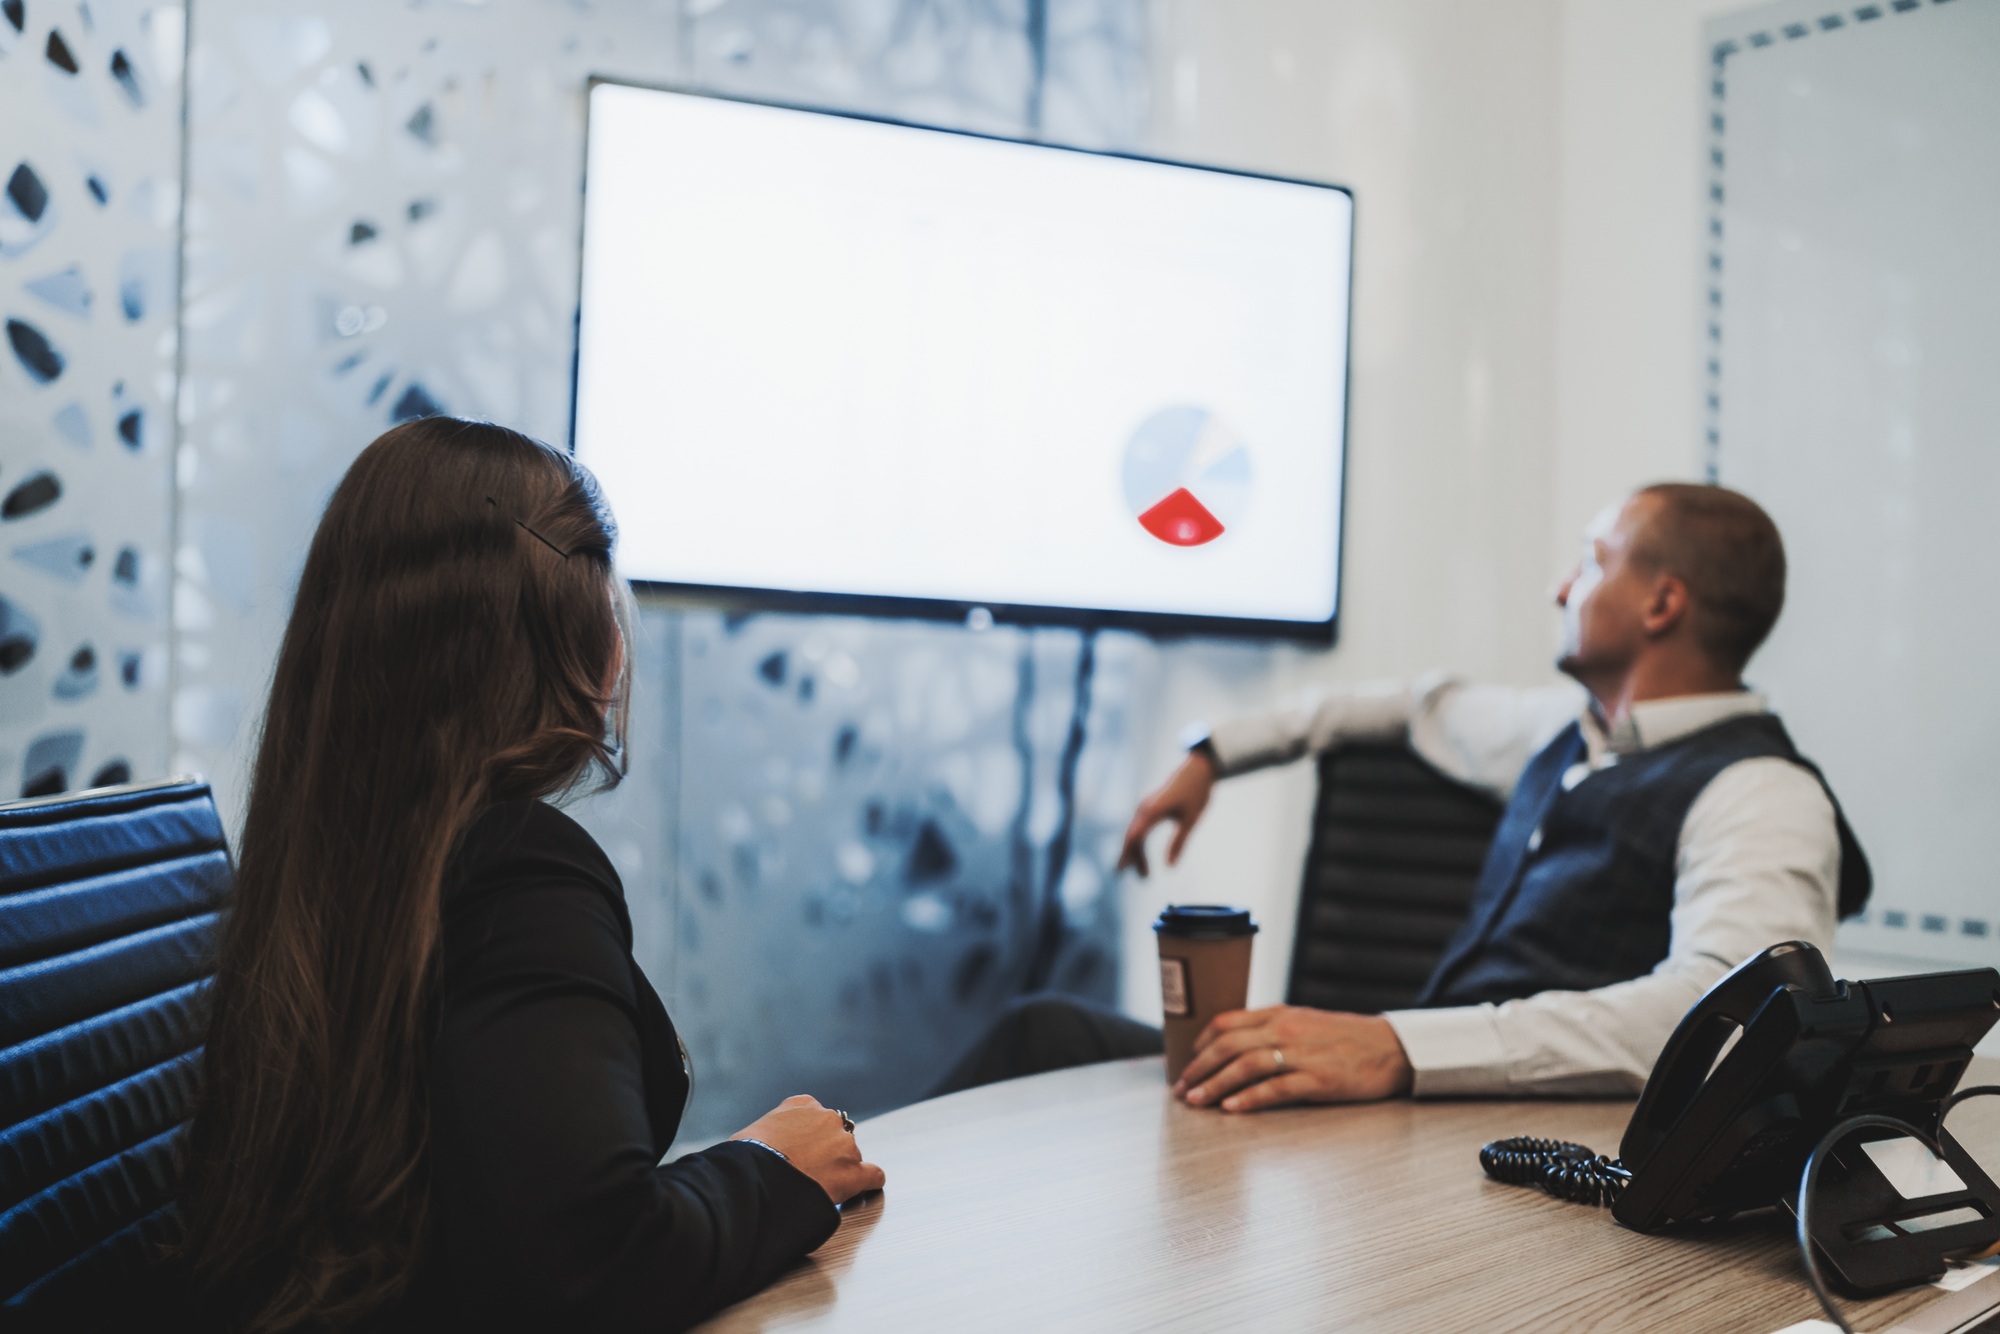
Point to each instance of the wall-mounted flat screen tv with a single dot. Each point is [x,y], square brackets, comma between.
[827,362]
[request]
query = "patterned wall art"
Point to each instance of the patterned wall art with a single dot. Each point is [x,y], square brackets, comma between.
[90,160]
[886,831]
[845,843]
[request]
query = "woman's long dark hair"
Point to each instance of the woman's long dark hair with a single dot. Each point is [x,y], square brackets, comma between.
[453,644]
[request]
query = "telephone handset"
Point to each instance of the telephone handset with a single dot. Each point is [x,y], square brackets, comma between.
[1713,1137]
[1689,1056]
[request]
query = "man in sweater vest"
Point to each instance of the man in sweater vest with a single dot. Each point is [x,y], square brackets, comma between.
[1659,828]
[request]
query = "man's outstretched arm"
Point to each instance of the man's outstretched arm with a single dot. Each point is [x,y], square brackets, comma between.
[1482,736]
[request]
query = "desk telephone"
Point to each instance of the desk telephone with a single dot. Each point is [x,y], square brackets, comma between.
[1821,1106]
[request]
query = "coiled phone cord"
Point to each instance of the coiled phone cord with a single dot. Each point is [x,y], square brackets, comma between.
[1566,1171]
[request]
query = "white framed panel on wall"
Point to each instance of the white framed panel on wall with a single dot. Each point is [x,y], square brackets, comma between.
[1853,301]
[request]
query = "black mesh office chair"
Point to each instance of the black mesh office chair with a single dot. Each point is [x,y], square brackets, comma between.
[1396,850]
[108,913]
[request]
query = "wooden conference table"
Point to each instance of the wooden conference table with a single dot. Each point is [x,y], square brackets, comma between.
[1089,1200]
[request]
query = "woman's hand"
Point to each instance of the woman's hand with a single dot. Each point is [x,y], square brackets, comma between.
[816,1142]
[1182,799]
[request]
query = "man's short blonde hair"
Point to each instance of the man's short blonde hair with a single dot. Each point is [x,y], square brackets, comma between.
[1724,547]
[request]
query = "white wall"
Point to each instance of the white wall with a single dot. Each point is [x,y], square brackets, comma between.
[1629,275]
[1527,242]
[1629,281]
[1443,117]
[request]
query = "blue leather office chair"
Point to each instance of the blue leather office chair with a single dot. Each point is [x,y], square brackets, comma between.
[108,915]
[1396,850]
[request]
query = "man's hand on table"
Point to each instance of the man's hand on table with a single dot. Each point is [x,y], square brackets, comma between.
[1250,1059]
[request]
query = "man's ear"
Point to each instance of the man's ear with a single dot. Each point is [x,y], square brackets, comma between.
[1666,607]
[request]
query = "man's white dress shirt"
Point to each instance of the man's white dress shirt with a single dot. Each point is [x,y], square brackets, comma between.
[1758,863]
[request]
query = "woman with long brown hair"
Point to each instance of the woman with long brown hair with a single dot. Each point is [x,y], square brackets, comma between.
[437,1087]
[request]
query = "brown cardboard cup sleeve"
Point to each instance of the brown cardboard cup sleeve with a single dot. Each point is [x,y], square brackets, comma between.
[1204,971]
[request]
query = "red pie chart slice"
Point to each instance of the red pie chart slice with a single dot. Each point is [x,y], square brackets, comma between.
[1181,520]
[1186,477]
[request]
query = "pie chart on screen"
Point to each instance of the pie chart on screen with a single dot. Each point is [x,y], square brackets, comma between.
[1187,476]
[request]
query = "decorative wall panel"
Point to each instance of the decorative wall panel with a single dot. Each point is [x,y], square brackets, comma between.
[880,846]
[382,224]
[969,64]
[90,149]
[1095,74]
[837,836]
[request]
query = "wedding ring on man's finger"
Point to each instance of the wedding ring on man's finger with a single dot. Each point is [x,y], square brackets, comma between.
[846,1122]
[1278,1057]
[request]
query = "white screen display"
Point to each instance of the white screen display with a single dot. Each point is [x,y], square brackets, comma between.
[824,355]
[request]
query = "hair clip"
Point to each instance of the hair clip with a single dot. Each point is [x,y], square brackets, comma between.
[532,533]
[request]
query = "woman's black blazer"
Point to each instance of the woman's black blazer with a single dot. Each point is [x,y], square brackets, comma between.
[556,1084]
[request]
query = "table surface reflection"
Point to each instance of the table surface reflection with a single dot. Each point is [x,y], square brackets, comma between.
[1088,1199]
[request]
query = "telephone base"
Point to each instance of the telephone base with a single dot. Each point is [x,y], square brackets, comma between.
[1886,1214]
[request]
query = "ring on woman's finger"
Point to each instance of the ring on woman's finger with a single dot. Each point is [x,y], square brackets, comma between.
[846,1122]
[1278,1058]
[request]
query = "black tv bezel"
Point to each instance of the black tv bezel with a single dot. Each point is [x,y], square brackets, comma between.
[1158,625]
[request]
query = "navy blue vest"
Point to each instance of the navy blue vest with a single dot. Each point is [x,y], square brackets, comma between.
[1578,884]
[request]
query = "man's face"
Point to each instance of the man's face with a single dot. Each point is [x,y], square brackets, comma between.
[1604,598]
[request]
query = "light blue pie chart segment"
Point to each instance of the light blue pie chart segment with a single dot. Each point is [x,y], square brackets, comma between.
[1224,485]
[1187,446]
[1157,456]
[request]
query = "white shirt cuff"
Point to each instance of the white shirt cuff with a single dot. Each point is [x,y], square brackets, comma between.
[1454,1052]
[1243,744]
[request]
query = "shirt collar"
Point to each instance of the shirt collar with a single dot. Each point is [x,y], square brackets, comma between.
[1656,722]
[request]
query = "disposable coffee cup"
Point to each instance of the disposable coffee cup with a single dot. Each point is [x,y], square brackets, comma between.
[1204,971]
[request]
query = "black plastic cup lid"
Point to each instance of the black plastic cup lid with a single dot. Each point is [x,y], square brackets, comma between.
[1209,921]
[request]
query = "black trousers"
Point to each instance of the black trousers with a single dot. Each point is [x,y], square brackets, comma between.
[1036,1034]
